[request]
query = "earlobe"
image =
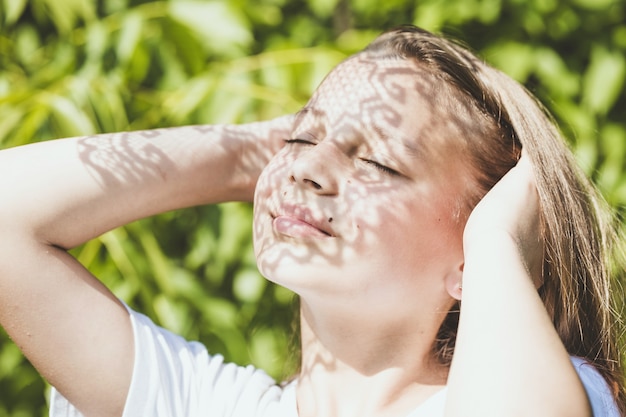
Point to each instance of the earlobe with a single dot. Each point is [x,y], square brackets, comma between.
[454,283]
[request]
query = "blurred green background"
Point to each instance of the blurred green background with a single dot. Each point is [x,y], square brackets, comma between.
[75,67]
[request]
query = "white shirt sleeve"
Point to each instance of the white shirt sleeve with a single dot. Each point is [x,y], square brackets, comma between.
[176,378]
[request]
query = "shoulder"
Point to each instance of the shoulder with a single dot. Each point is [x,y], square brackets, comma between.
[598,391]
[176,377]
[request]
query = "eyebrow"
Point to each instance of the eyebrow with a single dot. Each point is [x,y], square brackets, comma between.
[305,111]
[411,146]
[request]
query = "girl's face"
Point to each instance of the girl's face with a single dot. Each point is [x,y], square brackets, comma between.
[361,205]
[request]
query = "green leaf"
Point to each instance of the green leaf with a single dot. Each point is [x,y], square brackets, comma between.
[613,145]
[129,36]
[33,121]
[107,104]
[13,10]
[64,14]
[10,357]
[27,45]
[69,119]
[11,117]
[594,4]
[554,73]
[222,27]
[171,314]
[266,349]
[97,43]
[323,8]
[604,79]
[514,58]
[185,100]
[430,15]
[248,285]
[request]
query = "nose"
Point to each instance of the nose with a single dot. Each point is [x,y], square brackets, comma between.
[317,169]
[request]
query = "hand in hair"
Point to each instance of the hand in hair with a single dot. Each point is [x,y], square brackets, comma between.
[511,207]
[505,332]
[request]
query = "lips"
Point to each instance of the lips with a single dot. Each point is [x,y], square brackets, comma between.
[299,221]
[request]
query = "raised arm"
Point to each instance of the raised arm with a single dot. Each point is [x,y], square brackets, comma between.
[58,194]
[509,359]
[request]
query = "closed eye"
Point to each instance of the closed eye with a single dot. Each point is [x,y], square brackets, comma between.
[381,167]
[299,141]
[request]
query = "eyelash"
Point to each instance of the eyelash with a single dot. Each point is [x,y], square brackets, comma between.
[381,167]
[299,141]
[377,165]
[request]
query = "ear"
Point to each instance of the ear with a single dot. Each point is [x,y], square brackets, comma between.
[454,282]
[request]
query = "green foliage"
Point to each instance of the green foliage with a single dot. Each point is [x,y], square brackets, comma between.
[77,67]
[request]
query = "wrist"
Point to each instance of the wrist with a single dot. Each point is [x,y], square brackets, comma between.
[498,255]
[255,145]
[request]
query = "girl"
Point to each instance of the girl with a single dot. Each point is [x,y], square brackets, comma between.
[416,182]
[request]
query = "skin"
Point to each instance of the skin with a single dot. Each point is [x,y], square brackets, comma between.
[56,195]
[502,273]
[393,243]
[378,278]
[382,353]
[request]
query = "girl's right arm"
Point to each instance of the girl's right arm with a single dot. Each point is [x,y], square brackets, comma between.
[508,359]
[59,194]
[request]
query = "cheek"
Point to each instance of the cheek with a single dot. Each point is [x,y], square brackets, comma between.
[269,181]
[412,232]
[271,178]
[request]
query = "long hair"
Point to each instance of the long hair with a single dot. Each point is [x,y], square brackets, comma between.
[577,226]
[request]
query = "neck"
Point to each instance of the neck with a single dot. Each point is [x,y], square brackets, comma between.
[360,365]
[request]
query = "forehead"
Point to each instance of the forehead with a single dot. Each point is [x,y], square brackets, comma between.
[362,84]
[395,98]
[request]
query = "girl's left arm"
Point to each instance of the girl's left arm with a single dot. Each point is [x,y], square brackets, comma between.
[509,360]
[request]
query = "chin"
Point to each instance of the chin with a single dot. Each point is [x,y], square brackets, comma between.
[281,269]
[297,274]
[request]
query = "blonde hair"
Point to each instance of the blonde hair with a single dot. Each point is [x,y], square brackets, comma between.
[578,227]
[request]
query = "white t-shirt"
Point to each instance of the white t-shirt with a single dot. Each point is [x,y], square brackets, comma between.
[176,378]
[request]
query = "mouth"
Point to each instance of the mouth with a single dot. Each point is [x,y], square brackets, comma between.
[298,221]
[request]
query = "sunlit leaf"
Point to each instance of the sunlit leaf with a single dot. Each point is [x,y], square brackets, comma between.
[129,36]
[10,357]
[429,15]
[514,58]
[27,43]
[31,124]
[613,146]
[10,117]
[248,285]
[222,313]
[179,106]
[594,4]
[323,8]
[64,14]
[69,119]
[108,105]
[554,73]
[268,14]
[13,9]
[266,349]
[222,27]
[604,79]
[170,313]
[96,45]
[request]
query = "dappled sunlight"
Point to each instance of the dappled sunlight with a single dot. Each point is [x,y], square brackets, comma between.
[75,68]
[123,157]
[359,169]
